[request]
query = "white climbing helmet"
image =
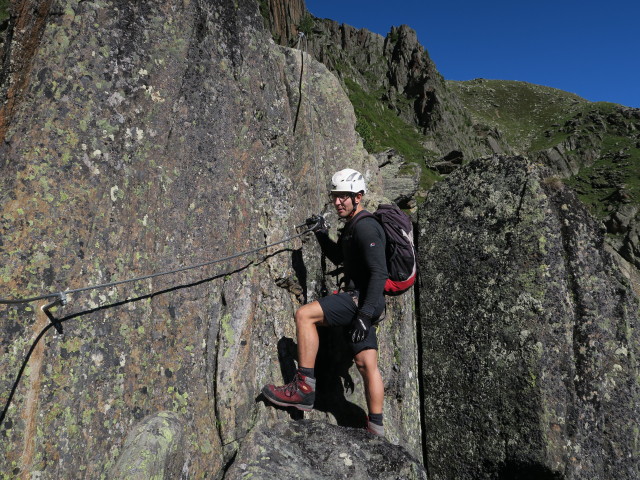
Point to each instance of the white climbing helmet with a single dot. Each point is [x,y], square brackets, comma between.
[348,180]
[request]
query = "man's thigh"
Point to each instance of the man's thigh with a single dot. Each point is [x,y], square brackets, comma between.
[338,309]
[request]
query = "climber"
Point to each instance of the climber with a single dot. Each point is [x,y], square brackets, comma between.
[361,248]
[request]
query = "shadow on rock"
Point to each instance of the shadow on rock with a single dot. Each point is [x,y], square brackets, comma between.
[332,376]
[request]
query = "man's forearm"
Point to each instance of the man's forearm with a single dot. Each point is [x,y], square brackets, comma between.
[330,248]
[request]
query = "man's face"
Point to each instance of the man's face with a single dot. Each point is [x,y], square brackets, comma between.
[343,203]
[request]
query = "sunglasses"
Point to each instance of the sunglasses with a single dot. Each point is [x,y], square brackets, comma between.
[339,196]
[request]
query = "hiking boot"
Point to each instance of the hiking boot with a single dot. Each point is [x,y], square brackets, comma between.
[375,428]
[300,393]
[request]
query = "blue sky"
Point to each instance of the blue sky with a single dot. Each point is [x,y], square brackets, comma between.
[591,48]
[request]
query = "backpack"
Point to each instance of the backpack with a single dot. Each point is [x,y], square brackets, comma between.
[400,251]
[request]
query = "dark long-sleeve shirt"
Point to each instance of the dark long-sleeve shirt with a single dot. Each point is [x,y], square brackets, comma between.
[361,248]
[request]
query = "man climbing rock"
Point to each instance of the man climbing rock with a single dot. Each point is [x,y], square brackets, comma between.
[361,248]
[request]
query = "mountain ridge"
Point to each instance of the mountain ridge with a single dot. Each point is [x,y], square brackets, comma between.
[403,103]
[151,135]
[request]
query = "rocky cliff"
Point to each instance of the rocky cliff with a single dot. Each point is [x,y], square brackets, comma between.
[284,19]
[529,331]
[400,98]
[595,147]
[145,137]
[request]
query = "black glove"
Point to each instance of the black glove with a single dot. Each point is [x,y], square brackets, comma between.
[360,327]
[317,223]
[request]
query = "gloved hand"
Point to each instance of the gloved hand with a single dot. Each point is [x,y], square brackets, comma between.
[360,327]
[317,224]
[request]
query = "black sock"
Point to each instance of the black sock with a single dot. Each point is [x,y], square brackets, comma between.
[376,418]
[307,372]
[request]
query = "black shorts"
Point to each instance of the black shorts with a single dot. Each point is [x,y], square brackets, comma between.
[339,310]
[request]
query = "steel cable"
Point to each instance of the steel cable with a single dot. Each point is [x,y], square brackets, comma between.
[5,301]
[25,361]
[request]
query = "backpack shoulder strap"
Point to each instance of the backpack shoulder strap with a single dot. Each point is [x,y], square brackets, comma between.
[361,215]
[352,225]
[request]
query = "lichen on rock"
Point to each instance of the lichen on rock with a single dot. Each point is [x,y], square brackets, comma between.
[529,331]
[153,136]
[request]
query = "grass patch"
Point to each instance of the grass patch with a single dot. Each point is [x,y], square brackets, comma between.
[4,10]
[547,141]
[380,129]
[613,179]
[521,111]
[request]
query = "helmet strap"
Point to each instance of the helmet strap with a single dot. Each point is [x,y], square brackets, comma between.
[355,205]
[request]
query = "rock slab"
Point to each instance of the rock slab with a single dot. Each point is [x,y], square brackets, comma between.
[316,450]
[529,332]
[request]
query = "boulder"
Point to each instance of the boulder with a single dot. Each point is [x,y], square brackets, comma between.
[529,332]
[317,450]
[153,449]
[631,244]
[620,220]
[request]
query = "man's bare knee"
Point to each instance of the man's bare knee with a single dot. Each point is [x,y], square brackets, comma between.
[302,319]
[309,314]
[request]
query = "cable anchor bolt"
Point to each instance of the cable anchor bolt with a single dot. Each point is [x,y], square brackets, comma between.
[61,300]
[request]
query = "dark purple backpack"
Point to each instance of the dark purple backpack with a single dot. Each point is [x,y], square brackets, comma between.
[400,251]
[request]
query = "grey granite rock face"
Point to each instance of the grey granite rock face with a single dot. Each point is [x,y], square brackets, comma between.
[530,333]
[401,180]
[151,136]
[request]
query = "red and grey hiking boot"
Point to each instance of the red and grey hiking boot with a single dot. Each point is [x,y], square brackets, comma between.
[300,393]
[375,428]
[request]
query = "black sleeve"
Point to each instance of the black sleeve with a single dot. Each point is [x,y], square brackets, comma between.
[331,249]
[371,241]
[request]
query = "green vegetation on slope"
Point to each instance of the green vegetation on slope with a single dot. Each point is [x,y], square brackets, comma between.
[613,179]
[583,121]
[306,24]
[380,129]
[533,118]
[521,111]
